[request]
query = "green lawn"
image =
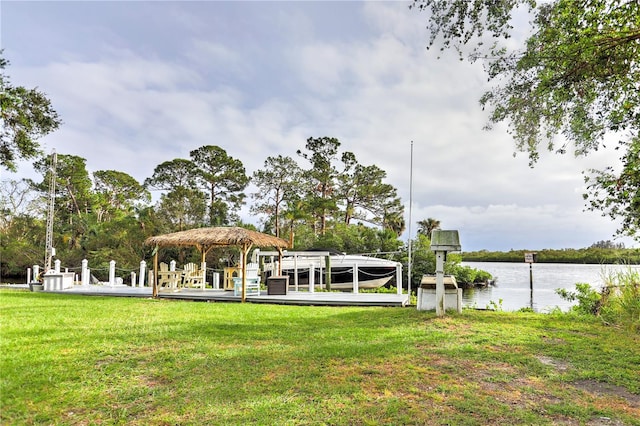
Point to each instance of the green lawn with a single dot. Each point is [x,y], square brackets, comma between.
[96,360]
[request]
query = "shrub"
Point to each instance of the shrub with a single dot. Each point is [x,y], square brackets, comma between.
[623,298]
[588,298]
[467,275]
[464,274]
[390,290]
[482,276]
[618,303]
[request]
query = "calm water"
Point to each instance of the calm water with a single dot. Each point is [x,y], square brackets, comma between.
[513,285]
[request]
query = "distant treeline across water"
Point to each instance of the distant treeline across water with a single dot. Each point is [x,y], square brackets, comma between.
[586,255]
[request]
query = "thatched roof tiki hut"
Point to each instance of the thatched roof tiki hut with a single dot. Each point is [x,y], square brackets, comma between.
[204,239]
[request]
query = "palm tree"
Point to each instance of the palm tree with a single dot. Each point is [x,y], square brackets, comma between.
[395,222]
[425,226]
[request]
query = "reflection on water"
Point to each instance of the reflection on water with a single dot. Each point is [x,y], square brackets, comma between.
[513,284]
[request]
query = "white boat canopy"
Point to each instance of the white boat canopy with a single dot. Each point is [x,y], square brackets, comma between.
[298,261]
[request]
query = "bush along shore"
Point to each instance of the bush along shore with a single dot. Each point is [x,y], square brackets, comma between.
[617,303]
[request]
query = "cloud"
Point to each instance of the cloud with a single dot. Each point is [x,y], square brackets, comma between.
[258,79]
[510,226]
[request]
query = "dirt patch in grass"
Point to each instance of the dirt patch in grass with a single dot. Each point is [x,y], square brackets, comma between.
[605,421]
[599,389]
[553,340]
[555,363]
[608,390]
[508,385]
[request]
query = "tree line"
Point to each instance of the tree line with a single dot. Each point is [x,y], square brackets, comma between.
[327,199]
[593,254]
[334,203]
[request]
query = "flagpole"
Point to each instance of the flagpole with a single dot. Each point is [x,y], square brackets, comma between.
[409,227]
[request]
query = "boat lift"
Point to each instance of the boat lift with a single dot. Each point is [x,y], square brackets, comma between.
[312,260]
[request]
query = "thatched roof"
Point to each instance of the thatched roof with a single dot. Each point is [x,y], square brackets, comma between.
[217,236]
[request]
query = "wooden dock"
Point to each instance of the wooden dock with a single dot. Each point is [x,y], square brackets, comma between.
[212,295]
[296,298]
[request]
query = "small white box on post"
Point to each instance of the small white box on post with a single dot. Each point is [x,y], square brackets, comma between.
[443,242]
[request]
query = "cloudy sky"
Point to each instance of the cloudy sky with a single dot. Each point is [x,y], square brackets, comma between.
[140,83]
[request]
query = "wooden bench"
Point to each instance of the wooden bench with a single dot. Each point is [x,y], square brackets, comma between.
[168,279]
[193,276]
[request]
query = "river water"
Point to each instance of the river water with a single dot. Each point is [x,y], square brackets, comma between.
[512,289]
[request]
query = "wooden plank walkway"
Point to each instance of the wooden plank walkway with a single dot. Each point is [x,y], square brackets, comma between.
[210,295]
[296,298]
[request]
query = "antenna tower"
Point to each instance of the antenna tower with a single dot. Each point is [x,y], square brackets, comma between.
[49,250]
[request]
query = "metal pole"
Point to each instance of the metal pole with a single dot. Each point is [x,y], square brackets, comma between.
[409,227]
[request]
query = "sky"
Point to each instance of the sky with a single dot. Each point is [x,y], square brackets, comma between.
[140,83]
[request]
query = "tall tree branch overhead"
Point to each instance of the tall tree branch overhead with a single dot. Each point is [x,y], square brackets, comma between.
[25,116]
[573,81]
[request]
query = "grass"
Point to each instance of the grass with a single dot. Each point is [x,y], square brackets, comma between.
[95,360]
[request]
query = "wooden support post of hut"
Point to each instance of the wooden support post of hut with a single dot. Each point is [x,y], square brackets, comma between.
[327,269]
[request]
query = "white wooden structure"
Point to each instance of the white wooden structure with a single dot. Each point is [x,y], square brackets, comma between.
[427,294]
[252,281]
[372,269]
[443,242]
